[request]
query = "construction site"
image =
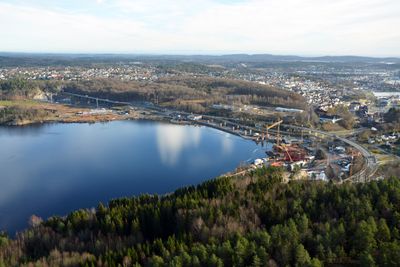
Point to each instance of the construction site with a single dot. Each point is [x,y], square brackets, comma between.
[304,154]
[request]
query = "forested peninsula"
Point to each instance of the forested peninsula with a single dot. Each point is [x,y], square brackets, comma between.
[251,220]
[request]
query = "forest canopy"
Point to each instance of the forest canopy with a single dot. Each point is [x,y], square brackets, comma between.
[204,90]
[193,94]
[254,220]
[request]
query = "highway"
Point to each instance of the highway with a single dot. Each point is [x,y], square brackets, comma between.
[364,175]
[96,98]
[370,161]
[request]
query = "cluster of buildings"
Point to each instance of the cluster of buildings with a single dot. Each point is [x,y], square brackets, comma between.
[328,85]
[321,96]
[324,86]
[135,72]
[387,139]
[300,159]
[387,100]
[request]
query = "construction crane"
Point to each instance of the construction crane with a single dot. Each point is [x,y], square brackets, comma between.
[278,123]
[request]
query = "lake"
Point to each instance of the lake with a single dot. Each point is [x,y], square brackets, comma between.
[53,169]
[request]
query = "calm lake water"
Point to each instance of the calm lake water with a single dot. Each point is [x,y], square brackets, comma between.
[56,168]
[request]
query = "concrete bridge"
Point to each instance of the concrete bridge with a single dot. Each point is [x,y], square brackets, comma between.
[364,175]
[227,125]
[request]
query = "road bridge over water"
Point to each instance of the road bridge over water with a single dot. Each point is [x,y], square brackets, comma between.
[237,128]
[366,174]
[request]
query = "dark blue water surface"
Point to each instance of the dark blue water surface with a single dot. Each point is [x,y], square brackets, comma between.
[56,168]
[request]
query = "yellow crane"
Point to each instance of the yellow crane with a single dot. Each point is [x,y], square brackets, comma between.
[278,123]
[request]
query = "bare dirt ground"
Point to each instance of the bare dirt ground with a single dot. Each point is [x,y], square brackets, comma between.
[70,114]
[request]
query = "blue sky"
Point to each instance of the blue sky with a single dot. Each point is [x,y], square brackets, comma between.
[302,27]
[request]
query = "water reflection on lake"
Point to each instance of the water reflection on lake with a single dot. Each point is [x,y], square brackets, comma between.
[173,139]
[56,168]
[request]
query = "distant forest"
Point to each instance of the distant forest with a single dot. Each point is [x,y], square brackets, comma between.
[19,88]
[194,94]
[189,93]
[254,220]
[35,59]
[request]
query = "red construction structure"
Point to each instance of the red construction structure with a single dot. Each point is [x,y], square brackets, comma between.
[291,153]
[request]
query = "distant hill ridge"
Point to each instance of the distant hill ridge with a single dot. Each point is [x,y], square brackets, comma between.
[14,59]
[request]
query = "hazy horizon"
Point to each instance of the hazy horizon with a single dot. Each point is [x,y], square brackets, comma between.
[188,54]
[204,27]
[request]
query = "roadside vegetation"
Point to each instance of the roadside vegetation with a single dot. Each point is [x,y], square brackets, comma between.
[392,119]
[254,220]
[390,169]
[348,119]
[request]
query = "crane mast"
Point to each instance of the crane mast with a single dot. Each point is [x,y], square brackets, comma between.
[276,124]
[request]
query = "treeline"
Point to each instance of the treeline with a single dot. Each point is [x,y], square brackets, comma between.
[194,94]
[249,221]
[178,91]
[230,90]
[15,115]
[392,118]
[393,115]
[19,88]
[130,90]
[341,111]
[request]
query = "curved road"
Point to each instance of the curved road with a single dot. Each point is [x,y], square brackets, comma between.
[363,175]
[370,161]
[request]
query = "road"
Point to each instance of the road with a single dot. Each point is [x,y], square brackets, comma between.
[370,160]
[97,99]
[364,175]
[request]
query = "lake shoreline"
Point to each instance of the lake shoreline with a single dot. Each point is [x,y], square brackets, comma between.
[87,119]
[83,120]
[59,113]
[78,165]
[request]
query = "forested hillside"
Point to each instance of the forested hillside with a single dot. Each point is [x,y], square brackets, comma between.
[194,94]
[24,89]
[244,221]
[190,93]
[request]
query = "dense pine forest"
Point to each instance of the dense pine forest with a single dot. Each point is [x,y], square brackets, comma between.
[255,220]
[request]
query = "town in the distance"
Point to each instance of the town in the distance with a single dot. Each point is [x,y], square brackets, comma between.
[330,118]
[206,160]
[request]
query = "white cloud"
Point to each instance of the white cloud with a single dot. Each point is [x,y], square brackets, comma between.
[367,27]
